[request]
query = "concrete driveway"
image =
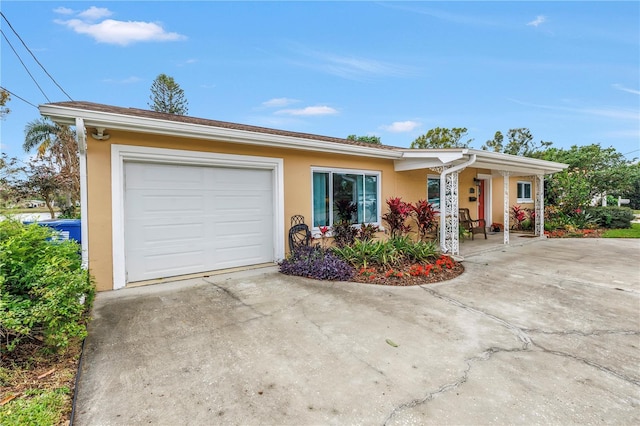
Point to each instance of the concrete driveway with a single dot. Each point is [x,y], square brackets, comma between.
[543,333]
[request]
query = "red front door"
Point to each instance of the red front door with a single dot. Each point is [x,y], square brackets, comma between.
[481,200]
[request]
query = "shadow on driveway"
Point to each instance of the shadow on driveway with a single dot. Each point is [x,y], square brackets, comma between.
[548,332]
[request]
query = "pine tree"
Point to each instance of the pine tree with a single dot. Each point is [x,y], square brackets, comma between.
[167,96]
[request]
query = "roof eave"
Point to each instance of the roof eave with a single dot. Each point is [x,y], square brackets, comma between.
[114,121]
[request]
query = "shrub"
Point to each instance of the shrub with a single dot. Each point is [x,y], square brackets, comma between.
[344,234]
[316,262]
[612,217]
[389,253]
[398,213]
[363,253]
[367,232]
[424,213]
[44,292]
[518,215]
[422,251]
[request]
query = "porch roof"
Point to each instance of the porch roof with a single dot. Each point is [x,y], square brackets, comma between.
[416,159]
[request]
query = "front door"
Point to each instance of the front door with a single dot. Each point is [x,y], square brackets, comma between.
[481,200]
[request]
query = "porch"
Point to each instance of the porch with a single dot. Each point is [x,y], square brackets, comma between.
[494,241]
[507,179]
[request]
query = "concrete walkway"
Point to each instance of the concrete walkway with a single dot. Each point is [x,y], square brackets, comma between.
[543,333]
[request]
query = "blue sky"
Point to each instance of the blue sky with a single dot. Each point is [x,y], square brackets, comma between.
[568,71]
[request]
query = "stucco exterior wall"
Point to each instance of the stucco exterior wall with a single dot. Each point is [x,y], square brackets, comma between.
[297,166]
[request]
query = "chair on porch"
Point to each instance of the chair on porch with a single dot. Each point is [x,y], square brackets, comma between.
[299,234]
[477,226]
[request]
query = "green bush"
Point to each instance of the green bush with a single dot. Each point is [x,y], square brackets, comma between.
[363,253]
[389,253]
[612,217]
[44,292]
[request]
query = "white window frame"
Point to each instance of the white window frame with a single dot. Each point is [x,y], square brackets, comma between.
[434,177]
[524,200]
[331,171]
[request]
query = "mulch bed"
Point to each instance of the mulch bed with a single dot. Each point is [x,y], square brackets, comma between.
[578,233]
[407,275]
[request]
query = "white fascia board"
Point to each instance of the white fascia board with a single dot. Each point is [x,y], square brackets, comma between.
[67,115]
[517,160]
[516,164]
[425,159]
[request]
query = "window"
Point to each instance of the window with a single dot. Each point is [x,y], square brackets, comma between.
[524,192]
[433,191]
[332,189]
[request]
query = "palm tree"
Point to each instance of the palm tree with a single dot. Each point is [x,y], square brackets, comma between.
[58,144]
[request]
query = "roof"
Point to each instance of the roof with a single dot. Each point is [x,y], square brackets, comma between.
[144,121]
[140,120]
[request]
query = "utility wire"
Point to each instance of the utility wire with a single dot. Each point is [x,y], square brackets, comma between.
[25,67]
[34,56]
[22,99]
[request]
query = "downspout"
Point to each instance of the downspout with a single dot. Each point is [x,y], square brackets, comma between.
[443,194]
[81,138]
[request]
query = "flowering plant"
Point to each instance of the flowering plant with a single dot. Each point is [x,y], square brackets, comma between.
[324,230]
[392,273]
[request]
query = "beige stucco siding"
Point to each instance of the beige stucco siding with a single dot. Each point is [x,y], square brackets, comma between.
[297,183]
[297,165]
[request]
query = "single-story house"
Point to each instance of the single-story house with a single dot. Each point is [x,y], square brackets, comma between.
[165,195]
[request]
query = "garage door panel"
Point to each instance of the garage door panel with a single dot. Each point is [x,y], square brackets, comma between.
[169,230]
[172,233]
[167,265]
[164,176]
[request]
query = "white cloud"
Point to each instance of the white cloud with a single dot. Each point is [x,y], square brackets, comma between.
[63,11]
[540,19]
[309,111]
[279,102]
[401,126]
[111,31]
[95,13]
[626,89]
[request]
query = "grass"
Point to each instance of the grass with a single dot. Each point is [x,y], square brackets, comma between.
[37,407]
[633,232]
[37,388]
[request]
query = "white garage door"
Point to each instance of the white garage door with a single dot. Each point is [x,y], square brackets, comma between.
[188,219]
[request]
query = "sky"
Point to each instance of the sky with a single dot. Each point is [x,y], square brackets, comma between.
[568,71]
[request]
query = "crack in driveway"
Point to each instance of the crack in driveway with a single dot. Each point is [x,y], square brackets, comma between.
[526,346]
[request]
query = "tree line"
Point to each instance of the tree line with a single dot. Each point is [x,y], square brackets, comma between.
[53,173]
[593,172]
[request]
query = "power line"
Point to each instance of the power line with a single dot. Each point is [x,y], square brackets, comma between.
[22,99]
[34,56]
[25,67]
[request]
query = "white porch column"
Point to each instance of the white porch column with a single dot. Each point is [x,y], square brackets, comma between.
[505,178]
[452,242]
[539,206]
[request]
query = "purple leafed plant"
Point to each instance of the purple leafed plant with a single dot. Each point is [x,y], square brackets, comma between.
[315,262]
